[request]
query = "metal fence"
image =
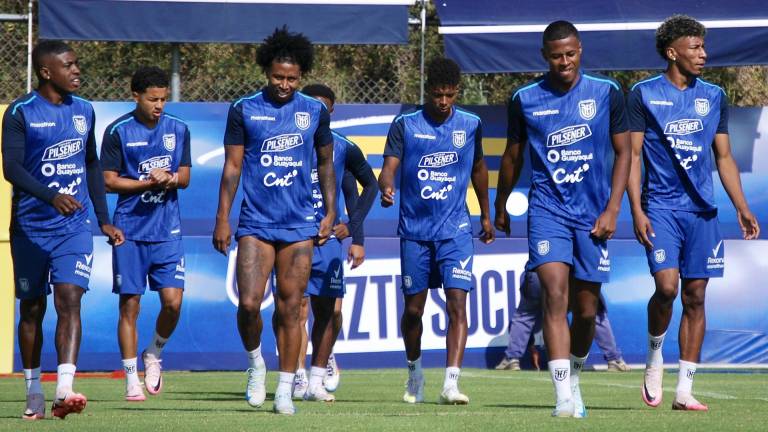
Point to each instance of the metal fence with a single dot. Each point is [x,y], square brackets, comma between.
[13,58]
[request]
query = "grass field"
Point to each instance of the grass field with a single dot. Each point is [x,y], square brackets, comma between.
[370,400]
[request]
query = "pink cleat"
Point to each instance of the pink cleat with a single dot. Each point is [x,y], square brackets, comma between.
[153,379]
[135,393]
[35,407]
[652,391]
[687,402]
[73,403]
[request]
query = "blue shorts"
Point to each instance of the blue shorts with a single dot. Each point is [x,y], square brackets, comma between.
[279,235]
[549,240]
[39,262]
[688,241]
[136,262]
[432,264]
[327,276]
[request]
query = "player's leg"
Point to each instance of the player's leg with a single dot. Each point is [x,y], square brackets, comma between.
[322,343]
[255,259]
[586,297]
[691,337]
[127,338]
[333,373]
[301,381]
[416,266]
[293,265]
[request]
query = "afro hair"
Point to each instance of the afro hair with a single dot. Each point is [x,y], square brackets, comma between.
[284,46]
[442,72]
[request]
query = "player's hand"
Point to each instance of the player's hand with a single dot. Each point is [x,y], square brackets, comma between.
[325,231]
[161,177]
[341,231]
[501,222]
[355,255]
[222,236]
[488,234]
[750,229]
[643,229]
[115,234]
[605,225]
[387,197]
[66,204]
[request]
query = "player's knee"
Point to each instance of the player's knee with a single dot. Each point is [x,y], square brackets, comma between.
[666,294]
[250,305]
[412,313]
[337,317]
[693,301]
[585,315]
[172,308]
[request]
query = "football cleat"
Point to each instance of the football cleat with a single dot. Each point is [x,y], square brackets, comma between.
[135,393]
[300,385]
[618,366]
[255,389]
[579,410]
[318,393]
[512,364]
[35,407]
[153,378]
[687,402]
[564,408]
[452,396]
[332,376]
[283,404]
[73,403]
[414,389]
[651,391]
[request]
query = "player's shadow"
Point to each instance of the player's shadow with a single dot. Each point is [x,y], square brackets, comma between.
[547,406]
[217,410]
[225,396]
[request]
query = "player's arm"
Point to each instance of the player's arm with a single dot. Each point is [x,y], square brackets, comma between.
[605,225]
[480,185]
[112,164]
[511,162]
[182,176]
[393,154]
[326,174]
[729,176]
[234,150]
[96,189]
[637,124]
[361,172]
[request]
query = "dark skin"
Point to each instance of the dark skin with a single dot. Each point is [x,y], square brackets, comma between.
[59,75]
[439,108]
[564,59]
[256,258]
[686,58]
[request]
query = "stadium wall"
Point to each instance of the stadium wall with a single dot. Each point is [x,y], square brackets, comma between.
[207,338]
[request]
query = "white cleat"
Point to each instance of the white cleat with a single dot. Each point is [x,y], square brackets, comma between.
[318,393]
[300,386]
[255,390]
[651,390]
[564,408]
[35,409]
[579,410]
[452,396]
[414,390]
[283,404]
[332,376]
[153,378]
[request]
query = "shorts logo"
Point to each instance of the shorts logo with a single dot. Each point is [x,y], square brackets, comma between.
[302,120]
[701,106]
[561,373]
[119,280]
[542,247]
[459,139]
[713,262]
[464,262]
[169,142]
[24,284]
[407,281]
[88,258]
[587,109]
[660,255]
[81,126]
[716,250]
[337,271]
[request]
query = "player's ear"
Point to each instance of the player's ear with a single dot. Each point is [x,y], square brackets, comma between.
[45,73]
[671,54]
[136,96]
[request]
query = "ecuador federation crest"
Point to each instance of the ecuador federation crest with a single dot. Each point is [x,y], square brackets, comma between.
[302,120]
[542,247]
[459,138]
[660,255]
[81,125]
[169,142]
[702,106]
[587,109]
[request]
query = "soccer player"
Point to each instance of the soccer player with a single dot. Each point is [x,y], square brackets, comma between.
[145,155]
[570,119]
[49,156]
[270,137]
[440,148]
[677,120]
[326,283]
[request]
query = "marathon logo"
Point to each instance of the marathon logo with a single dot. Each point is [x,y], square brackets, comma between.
[683,127]
[438,160]
[155,162]
[282,143]
[569,135]
[63,150]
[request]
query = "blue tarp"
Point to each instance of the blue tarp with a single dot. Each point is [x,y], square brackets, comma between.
[486,36]
[323,21]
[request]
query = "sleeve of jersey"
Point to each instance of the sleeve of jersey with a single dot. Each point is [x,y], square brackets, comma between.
[95,178]
[478,142]
[395,139]
[13,146]
[515,121]
[323,134]
[111,151]
[186,152]
[362,172]
[636,111]
[722,126]
[618,111]
[234,133]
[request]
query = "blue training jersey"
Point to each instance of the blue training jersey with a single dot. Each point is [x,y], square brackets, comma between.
[569,137]
[436,166]
[679,127]
[279,145]
[340,146]
[133,150]
[55,141]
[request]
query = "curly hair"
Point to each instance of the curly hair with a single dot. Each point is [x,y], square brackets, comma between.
[148,76]
[45,48]
[284,46]
[675,27]
[441,72]
[559,30]
[320,90]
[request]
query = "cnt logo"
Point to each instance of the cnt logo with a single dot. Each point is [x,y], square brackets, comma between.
[155,162]
[683,127]
[63,150]
[282,143]
[438,160]
[568,135]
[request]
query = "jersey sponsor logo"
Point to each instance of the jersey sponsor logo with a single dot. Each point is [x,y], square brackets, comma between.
[271,179]
[542,247]
[314,176]
[685,162]
[546,112]
[568,135]
[438,160]
[155,162]
[169,142]
[587,109]
[424,136]
[268,160]
[81,126]
[282,143]
[561,176]
[137,144]
[714,262]
[428,192]
[566,155]
[302,120]
[701,106]
[69,189]
[63,150]
[659,255]
[262,118]
[459,138]
[44,124]
[661,102]
[153,197]
[49,169]
[683,127]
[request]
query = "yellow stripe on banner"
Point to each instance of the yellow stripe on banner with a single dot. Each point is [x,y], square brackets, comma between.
[7,299]
[374,145]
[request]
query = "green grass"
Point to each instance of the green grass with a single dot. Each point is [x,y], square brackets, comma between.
[370,400]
